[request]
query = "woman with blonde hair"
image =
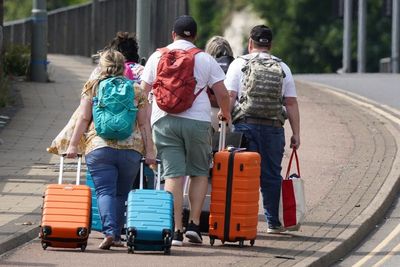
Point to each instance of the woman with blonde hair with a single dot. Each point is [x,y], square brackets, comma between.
[113,163]
[219,48]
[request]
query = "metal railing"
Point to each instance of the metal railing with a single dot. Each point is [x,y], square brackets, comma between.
[84,29]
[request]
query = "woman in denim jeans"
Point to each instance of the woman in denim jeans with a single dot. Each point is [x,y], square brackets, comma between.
[113,164]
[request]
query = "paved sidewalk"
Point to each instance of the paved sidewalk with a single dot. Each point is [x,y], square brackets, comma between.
[25,166]
[349,160]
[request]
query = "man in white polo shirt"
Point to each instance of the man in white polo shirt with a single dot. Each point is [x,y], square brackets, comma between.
[261,118]
[183,140]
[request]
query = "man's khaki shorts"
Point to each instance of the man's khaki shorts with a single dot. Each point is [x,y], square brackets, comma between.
[183,145]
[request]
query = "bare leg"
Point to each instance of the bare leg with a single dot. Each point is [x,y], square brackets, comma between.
[197,192]
[174,185]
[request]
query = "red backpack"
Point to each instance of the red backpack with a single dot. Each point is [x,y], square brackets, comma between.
[175,83]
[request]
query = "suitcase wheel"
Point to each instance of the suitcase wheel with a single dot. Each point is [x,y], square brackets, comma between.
[46,230]
[130,239]
[252,242]
[167,245]
[82,231]
[212,240]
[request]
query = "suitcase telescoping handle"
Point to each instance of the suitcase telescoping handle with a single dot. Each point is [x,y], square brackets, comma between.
[158,162]
[222,135]
[78,169]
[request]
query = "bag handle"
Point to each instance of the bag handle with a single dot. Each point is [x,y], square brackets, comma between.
[294,153]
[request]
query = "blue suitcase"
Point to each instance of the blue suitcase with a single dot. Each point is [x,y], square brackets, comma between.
[149,218]
[96,220]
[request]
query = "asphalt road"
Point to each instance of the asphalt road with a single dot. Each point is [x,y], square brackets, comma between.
[381,88]
[381,247]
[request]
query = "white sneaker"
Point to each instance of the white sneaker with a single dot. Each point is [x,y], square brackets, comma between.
[177,239]
[275,229]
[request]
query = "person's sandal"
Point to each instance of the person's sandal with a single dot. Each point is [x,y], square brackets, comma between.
[118,244]
[107,242]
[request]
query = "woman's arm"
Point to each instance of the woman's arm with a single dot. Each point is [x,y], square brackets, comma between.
[84,118]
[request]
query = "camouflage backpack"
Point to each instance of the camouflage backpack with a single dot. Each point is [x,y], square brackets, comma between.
[261,96]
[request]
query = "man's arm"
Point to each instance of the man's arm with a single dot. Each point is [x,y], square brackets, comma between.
[233,97]
[145,129]
[147,89]
[293,113]
[223,99]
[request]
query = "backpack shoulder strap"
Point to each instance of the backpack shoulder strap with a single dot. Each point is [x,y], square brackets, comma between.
[246,58]
[163,50]
[194,50]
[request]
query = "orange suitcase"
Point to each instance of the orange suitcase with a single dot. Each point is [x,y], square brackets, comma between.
[66,213]
[234,196]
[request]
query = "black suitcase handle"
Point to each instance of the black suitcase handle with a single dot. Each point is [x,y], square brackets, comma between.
[158,162]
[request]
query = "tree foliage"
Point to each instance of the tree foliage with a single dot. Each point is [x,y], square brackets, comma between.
[212,16]
[308,33]
[19,9]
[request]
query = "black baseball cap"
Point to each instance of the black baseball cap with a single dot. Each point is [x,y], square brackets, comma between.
[185,26]
[262,35]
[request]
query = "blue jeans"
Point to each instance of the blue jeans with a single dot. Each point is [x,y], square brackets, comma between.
[113,172]
[270,143]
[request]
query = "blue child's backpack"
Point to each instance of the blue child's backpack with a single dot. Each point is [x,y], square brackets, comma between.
[114,112]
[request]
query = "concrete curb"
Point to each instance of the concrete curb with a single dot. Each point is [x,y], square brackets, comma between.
[374,213]
[21,233]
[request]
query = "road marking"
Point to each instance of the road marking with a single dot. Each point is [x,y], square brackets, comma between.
[379,247]
[393,252]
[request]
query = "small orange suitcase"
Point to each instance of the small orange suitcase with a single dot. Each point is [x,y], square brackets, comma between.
[234,195]
[66,213]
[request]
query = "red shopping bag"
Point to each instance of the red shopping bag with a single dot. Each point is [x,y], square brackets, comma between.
[292,205]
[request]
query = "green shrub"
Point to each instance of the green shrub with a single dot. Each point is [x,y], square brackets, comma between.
[16,60]
[3,91]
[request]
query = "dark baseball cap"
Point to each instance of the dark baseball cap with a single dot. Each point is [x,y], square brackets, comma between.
[262,35]
[185,26]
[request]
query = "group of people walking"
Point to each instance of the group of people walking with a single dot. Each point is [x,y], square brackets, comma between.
[182,141]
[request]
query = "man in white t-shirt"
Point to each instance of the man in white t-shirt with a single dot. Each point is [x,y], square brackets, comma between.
[265,134]
[183,140]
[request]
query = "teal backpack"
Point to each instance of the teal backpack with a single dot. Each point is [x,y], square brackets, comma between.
[114,112]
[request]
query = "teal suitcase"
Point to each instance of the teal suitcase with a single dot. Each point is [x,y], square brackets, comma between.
[96,220]
[149,218]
